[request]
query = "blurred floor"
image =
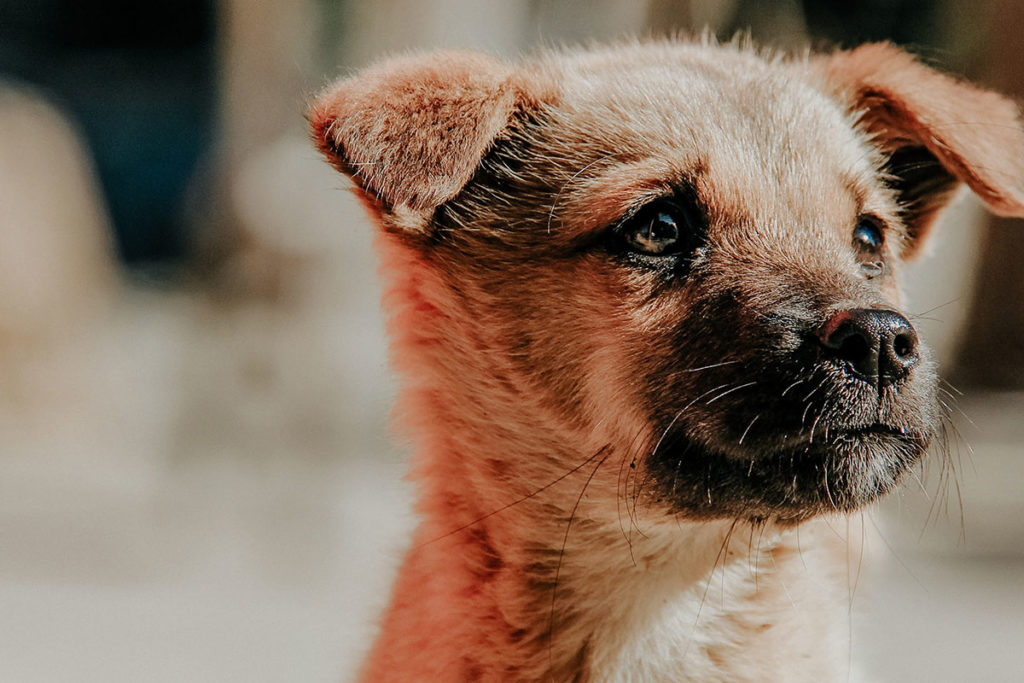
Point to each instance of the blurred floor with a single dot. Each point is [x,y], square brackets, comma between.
[225,537]
[954,619]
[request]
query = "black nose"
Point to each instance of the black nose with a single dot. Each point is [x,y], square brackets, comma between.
[878,345]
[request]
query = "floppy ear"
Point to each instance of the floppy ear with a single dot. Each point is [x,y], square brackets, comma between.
[936,131]
[411,131]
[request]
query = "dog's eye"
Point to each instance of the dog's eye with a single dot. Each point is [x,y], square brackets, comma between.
[658,233]
[868,240]
[867,236]
[663,228]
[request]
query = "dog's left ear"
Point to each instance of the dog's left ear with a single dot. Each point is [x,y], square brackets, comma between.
[936,131]
[412,130]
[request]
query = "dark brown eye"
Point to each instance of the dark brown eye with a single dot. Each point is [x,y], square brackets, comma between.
[657,234]
[868,236]
[868,240]
[662,228]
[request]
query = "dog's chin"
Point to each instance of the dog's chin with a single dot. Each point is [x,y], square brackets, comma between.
[787,481]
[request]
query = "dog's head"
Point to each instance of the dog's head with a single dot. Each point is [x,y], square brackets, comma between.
[691,251]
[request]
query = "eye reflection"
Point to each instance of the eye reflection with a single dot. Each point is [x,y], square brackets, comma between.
[656,234]
[868,236]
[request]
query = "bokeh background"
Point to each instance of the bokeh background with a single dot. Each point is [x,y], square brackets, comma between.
[196,481]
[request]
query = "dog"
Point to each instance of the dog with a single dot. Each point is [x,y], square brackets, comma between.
[645,302]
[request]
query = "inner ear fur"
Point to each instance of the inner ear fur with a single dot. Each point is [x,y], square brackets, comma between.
[937,132]
[412,130]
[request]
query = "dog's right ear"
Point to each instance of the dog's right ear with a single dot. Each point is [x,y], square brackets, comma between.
[411,131]
[937,132]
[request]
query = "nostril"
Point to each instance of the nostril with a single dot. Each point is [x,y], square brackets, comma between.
[853,348]
[848,339]
[904,345]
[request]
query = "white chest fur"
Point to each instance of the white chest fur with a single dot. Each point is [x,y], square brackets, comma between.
[767,611]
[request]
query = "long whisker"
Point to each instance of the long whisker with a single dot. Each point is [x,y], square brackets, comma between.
[709,367]
[517,501]
[747,430]
[934,308]
[561,557]
[729,391]
[722,552]
[621,489]
[664,433]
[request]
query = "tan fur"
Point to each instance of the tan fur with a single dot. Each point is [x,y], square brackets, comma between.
[542,371]
[454,106]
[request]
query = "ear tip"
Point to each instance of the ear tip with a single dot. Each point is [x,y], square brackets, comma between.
[451,63]
[882,60]
[412,68]
[319,120]
[393,78]
[331,105]
[321,117]
[1010,205]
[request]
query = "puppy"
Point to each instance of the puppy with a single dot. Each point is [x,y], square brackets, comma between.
[645,300]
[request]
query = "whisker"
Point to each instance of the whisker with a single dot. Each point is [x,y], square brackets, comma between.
[621,489]
[722,552]
[934,308]
[709,367]
[747,430]
[517,501]
[814,425]
[794,384]
[950,385]
[561,557]
[636,491]
[828,492]
[729,391]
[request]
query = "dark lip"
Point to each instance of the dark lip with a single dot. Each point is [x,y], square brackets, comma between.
[837,435]
[836,440]
[898,432]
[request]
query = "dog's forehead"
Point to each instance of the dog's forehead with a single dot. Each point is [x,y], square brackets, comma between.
[715,92]
[756,128]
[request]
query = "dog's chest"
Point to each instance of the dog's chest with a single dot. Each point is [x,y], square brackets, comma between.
[742,623]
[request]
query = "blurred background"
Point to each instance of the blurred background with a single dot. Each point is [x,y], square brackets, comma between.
[196,483]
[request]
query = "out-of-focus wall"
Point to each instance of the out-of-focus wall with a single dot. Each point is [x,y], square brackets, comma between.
[993,353]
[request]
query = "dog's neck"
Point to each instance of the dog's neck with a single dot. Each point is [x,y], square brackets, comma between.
[494,602]
[534,580]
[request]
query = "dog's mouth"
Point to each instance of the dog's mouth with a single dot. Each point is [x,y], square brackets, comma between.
[869,434]
[788,478]
[874,429]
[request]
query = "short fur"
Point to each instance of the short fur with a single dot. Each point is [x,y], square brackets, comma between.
[626,469]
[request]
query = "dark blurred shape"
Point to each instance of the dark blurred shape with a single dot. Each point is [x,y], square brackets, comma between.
[132,24]
[791,23]
[838,22]
[139,79]
[905,22]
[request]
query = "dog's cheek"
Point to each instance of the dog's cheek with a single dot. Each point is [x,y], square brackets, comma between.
[630,345]
[604,334]
[560,327]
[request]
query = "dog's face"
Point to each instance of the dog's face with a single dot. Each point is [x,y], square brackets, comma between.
[689,250]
